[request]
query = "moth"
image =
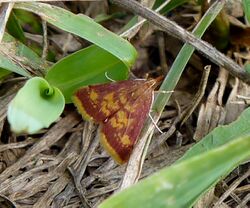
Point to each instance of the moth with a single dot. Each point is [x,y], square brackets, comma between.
[121,109]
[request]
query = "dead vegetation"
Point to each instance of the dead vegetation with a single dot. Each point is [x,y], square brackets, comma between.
[64,166]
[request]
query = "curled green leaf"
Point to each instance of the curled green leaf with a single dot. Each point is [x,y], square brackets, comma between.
[36,106]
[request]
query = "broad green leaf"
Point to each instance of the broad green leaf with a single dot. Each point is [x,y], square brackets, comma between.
[246,6]
[221,135]
[85,67]
[16,57]
[36,105]
[182,184]
[84,27]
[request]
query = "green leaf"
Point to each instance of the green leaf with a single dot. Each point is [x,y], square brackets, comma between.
[183,57]
[247,67]
[246,7]
[84,27]
[16,57]
[36,106]
[29,19]
[85,67]
[182,184]
[3,73]
[104,17]
[14,28]
[221,135]
[170,6]
[10,65]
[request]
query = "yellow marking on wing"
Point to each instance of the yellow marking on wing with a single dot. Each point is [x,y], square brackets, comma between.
[123,99]
[122,117]
[115,124]
[109,97]
[81,109]
[111,104]
[104,108]
[108,104]
[120,121]
[109,149]
[93,96]
[125,140]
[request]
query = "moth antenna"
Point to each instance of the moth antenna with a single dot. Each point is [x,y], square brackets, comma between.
[243,97]
[155,124]
[163,91]
[141,79]
[109,78]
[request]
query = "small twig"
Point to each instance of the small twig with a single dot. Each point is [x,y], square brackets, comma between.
[79,189]
[51,137]
[4,147]
[232,188]
[157,127]
[201,91]
[161,46]
[78,172]
[9,202]
[244,202]
[84,162]
[184,116]
[134,29]
[5,9]
[245,188]
[175,30]
[45,40]
[16,79]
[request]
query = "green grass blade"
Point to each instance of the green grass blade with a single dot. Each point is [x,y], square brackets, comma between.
[221,135]
[9,65]
[183,57]
[182,184]
[14,55]
[84,27]
[14,28]
[170,6]
[246,6]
